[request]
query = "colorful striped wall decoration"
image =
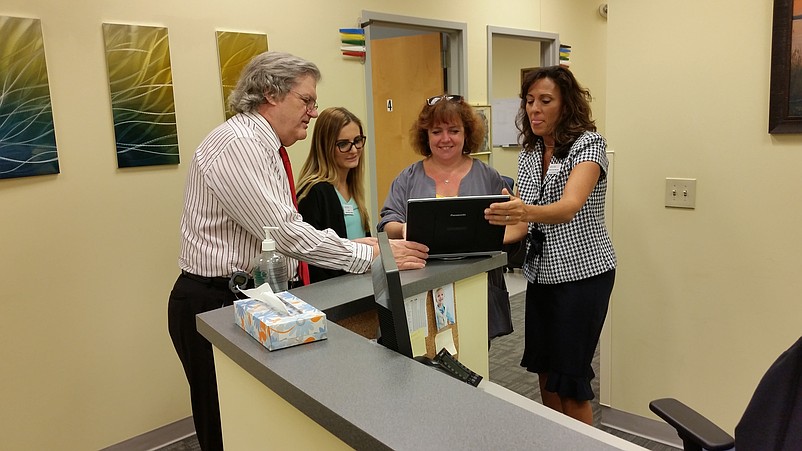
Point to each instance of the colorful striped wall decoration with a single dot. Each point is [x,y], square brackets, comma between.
[352,42]
[565,55]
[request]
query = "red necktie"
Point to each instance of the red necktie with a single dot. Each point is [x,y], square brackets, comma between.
[303,268]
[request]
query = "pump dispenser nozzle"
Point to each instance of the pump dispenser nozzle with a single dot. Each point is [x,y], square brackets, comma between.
[270,266]
[268,244]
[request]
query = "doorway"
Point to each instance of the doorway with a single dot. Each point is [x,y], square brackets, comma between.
[509,52]
[405,70]
[407,60]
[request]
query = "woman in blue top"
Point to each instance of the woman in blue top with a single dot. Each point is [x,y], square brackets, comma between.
[570,263]
[331,190]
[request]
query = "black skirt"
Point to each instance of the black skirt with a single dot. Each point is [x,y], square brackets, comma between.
[563,324]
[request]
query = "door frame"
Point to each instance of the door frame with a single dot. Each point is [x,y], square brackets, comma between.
[549,48]
[456,41]
[549,54]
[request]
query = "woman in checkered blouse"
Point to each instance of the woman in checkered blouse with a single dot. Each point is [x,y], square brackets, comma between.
[570,262]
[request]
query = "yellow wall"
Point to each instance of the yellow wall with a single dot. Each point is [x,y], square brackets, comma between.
[89,255]
[580,26]
[510,55]
[705,299]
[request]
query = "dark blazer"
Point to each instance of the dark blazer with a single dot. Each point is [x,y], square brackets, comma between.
[322,209]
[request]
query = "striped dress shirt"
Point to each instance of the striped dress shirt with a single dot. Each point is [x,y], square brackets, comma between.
[236,184]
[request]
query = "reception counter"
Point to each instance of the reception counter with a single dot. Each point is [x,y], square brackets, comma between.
[348,392]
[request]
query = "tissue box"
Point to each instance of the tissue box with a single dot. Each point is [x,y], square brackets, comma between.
[276,331]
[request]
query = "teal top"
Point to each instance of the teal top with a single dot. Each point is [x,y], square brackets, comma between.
[353,219]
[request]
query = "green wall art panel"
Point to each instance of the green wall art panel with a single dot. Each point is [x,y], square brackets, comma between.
[27,134]
[234,51]
[142,102]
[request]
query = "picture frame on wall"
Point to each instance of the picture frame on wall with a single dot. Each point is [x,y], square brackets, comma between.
[485,115]
[785,95]
[526,70]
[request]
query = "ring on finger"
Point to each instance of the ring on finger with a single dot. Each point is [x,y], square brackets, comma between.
[507,218]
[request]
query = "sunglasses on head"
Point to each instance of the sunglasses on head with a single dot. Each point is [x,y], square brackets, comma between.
[450,97]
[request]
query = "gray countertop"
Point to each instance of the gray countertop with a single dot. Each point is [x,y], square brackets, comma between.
[373,398]
[342,296]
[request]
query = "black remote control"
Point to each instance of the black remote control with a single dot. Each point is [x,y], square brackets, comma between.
[447,362]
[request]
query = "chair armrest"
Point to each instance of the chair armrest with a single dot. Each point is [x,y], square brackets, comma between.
[692,427]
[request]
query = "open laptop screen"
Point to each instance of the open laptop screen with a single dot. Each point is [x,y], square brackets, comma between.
[454,227]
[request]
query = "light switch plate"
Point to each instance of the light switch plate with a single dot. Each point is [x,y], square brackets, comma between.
[680,193]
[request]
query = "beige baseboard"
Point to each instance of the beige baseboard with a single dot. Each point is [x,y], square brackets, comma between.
[157,438]
[654,430]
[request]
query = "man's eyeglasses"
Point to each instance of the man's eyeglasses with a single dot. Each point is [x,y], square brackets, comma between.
[344,145]
[311,104]
[450,97]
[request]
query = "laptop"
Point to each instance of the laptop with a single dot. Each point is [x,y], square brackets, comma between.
[455,227]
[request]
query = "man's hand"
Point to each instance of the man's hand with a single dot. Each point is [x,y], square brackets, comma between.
[369,240]
[409,254]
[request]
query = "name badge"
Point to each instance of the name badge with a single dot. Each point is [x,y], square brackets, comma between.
[348,209]
[554,169]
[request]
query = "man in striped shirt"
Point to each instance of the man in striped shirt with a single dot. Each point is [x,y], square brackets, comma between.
[238,181]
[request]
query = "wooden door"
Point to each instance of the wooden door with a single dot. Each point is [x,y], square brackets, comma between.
[406,71]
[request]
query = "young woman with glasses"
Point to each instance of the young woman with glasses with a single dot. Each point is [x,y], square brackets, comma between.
[446,132]
[331,190]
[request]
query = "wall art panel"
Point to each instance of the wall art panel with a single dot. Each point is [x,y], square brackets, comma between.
[27,133]
[142,102]
[235,50]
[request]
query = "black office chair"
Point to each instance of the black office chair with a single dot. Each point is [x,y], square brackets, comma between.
[771,421]
[509,181]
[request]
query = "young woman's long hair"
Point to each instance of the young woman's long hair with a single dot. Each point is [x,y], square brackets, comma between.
[575,117]
[320,165]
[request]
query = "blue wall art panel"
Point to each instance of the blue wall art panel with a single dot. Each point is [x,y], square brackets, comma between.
[142,103]
[27,135]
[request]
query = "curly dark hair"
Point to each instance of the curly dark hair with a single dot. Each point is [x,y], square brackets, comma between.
[446,110]
[575,117]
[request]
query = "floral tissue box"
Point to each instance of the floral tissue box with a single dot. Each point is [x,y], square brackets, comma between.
[304,324]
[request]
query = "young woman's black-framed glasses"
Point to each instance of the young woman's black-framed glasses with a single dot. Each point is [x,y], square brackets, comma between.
[344,145]
[450,97]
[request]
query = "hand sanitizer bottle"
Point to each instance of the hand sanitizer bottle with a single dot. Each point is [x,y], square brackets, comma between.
[271,266]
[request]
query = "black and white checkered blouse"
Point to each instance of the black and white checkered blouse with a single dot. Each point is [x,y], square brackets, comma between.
[577,249]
